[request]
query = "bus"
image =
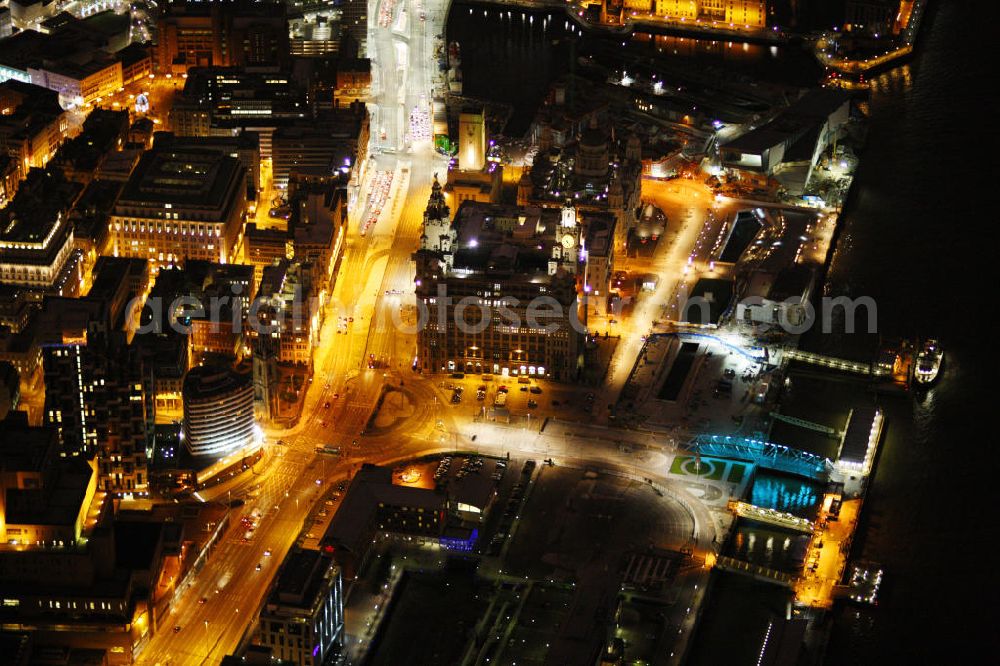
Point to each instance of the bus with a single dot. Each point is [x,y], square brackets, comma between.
[328,450]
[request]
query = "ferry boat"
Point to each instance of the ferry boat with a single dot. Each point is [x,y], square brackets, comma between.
[929,362]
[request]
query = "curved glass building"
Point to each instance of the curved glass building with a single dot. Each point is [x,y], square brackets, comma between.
[218,411]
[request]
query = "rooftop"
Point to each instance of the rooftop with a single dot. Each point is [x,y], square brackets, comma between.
[504,238]
[207,382]
[31,223]
[189,177]
[25,448]
[369,488]
[301,578]
[59,505]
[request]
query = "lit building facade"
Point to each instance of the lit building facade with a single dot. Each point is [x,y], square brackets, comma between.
[78,85]
[218,411]
[181,204]
[303,619]
[36,236]
[752,13]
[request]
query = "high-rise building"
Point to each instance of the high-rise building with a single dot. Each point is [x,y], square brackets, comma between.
[218,411]
[303,619]
[98,395]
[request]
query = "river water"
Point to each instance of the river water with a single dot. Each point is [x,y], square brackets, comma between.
[918,239]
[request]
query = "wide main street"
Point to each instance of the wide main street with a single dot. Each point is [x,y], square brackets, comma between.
[213,614]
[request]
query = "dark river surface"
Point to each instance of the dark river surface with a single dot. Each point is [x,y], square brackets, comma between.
[917,238]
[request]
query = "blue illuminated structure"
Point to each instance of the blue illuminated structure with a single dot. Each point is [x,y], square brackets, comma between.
[763,454]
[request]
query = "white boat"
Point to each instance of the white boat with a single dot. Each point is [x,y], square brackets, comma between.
[929,362]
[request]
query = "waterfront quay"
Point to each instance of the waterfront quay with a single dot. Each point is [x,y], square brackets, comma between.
[629,21]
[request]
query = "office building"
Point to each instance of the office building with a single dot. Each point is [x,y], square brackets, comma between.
[36,236]
[333,146]
[245,146]
[218,411]
[82,157]
[216,326]
[314,35]
[373,504]
[44,500]
[286,323]
[480,276]
[32,125]
[302,621]
[181,204]
[121,283]
[195,34]
[227,100]
[582,158]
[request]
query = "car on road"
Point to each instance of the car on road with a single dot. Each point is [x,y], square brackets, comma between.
[326,405]
[203,601]
[532,404]
[267,553]
[177,628]
[502,389]
[258,567]
[535,389]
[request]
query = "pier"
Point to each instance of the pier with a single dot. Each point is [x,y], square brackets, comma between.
[834,363]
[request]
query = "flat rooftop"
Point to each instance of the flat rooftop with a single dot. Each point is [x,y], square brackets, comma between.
[301,578]
[189,177]
[369,488]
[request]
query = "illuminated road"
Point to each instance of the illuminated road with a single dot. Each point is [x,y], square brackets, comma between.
[680,259]
[285,491]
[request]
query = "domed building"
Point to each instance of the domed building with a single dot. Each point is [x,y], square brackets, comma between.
[592,154]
